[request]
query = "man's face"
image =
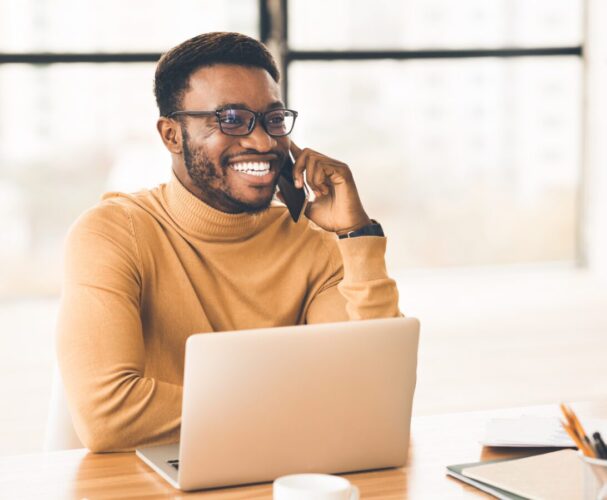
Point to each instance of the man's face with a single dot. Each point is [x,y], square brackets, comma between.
[221,166]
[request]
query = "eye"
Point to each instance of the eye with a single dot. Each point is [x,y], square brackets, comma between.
[231,118]
[275,119]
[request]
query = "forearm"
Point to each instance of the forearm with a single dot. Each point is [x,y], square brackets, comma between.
[113,405]
[124,410]
[361,289]
[129,412]
[366,286]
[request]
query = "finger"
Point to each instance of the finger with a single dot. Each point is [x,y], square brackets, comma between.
[332,170]
[299,167]
[321,177]
[335,172]
[312,175]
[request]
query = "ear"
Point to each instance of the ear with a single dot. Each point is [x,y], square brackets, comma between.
[170,133]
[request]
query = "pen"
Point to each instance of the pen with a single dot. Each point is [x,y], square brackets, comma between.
[599,445]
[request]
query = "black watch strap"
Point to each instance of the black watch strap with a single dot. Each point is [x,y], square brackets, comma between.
[373,229]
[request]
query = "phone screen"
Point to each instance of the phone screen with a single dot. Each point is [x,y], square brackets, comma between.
[295,198]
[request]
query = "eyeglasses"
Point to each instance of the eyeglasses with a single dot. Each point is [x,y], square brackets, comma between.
[241,121]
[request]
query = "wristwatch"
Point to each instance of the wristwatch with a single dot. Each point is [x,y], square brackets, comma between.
[373,229]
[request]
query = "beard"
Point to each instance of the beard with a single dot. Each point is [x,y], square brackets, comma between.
[211,179]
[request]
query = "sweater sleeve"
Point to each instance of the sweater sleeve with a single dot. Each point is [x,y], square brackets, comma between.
[100,342]
[364,291]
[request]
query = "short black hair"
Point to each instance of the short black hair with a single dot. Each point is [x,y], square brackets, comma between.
[175,67]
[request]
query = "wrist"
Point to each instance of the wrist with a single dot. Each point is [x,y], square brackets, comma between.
[355,227]
[373,228]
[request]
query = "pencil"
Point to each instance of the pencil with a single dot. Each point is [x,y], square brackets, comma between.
[576,428]
[581,432]
[576,439]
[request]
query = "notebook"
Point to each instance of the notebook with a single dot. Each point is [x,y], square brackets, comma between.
[555,476]
[456,472]
[532,431]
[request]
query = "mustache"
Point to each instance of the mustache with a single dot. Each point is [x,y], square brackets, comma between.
[226,159]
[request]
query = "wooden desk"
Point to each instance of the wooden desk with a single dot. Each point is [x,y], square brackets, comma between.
[436,441]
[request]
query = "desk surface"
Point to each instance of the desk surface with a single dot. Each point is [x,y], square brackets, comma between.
[436,441]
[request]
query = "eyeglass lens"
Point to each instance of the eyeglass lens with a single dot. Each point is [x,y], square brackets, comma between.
[277,122]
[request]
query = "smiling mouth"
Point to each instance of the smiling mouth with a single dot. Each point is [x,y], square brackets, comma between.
[256,169]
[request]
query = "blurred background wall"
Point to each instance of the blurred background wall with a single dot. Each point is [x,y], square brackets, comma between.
[475,130]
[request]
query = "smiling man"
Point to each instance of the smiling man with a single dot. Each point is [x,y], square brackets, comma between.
[231,175]
[212,250]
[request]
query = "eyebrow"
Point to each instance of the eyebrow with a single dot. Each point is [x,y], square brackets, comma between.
[241,105]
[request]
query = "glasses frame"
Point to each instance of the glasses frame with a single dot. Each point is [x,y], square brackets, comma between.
[258,116]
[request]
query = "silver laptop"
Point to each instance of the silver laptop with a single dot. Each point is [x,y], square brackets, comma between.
[259,404]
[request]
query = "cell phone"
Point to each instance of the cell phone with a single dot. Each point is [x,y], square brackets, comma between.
[295,198]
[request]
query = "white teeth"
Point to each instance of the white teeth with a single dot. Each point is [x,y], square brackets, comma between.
[257,169]
[260,173]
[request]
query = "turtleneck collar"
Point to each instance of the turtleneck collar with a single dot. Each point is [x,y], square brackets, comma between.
[203,221]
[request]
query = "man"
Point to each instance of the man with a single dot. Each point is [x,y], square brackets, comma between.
[209,251]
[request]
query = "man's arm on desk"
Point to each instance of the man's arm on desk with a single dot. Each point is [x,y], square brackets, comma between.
[100,340]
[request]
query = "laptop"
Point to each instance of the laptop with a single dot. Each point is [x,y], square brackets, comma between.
[259,404]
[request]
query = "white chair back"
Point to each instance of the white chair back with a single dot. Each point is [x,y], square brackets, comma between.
[60,433]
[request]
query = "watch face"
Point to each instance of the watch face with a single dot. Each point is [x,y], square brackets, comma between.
[373,230]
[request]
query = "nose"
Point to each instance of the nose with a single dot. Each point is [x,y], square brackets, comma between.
[258,139]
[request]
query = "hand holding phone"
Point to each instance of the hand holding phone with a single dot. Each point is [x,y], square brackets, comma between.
[336,204]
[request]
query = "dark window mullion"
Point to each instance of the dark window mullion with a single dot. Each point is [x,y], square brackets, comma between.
[365,55]
[294,55]
[52,58]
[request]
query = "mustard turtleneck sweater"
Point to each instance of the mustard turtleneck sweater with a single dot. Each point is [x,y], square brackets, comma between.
[144,271]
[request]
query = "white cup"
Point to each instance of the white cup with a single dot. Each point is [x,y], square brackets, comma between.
[595,478]
[314,487]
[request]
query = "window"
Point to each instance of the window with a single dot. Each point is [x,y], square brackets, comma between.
[434,24]
[460,120]
[72,131]
[113,26]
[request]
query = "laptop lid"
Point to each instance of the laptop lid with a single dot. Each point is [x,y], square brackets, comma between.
[333,397]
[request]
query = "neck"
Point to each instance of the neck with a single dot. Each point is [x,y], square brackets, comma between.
[198,218]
